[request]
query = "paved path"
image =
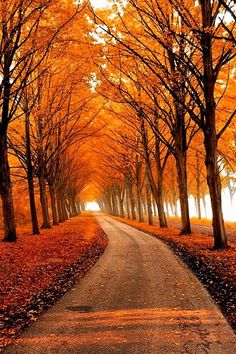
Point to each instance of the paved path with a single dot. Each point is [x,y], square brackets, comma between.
[138,298]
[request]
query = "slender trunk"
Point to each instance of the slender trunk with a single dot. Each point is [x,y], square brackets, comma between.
[198,183]
[53,205]
[132,203]
[160,195]
[33,210]
[127,204]
[167,209]
[44,201]
[139,188]
[59,207]
[6,194]
[144,204]
[154,207]
[30,178]
[73,208]
[114,203]
[64,207]
[121,204]
[149,205]
[214,184]
[183,191]
[205,205]
[79,209]
[157,193]
[210,136]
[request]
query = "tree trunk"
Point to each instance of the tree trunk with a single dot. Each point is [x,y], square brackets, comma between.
[160,196]
[154,207]
[121,203]
[157,191]
[198,183]
[132,204]
[149,205]
[183,191]
[205,205]
[209,130]
[73,208]
[64,207]
[114,203]
[44,201]
[55,218]
[214,184]
[59,207]
[6,193]
[33,211]
[30,178]
[127,204]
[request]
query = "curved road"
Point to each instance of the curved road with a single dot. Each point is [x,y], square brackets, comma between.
[138,298]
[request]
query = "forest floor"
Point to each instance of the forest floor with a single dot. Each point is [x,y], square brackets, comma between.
[215,269]
[37,270]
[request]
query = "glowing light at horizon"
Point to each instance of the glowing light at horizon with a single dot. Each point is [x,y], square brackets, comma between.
[92,206]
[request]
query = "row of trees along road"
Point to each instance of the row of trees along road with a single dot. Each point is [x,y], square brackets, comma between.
[47,107]
[171,64]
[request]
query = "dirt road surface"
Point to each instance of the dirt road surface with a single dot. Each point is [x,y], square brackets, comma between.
[138,298]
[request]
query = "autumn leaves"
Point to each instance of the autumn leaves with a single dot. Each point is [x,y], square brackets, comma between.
[46,108]
[169,67]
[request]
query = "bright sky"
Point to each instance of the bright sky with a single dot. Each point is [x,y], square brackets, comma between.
[99,3]
[92,206]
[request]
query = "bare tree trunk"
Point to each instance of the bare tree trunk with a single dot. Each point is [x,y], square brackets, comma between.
[121,203]
[183,190]
[114,203]
[160,196]
[198,183]
[73,208]
[149,205]
[154,207]
[156,190]
[44,201]
[139,203]
[204,204]
[64,207]
[30,178]
[132,203]
[55,218]
[59,207]
[214,184]
[127,204]
[209,130]
[6,194]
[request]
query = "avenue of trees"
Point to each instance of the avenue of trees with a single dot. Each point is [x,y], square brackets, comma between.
[133,104]
[171,64]
[47,109]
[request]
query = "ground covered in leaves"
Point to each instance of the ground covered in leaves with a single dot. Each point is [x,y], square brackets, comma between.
[36,270]
[215,269]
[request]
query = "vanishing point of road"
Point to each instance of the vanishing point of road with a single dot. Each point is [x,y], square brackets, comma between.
[138,298]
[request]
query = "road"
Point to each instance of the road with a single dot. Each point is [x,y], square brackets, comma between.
[138,298]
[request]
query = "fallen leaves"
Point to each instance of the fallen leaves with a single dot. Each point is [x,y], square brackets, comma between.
[37,270]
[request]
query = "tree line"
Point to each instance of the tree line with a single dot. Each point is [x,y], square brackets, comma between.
[47,108]
[168,70]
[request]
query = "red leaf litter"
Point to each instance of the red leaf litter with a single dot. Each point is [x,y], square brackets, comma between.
[36,270]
